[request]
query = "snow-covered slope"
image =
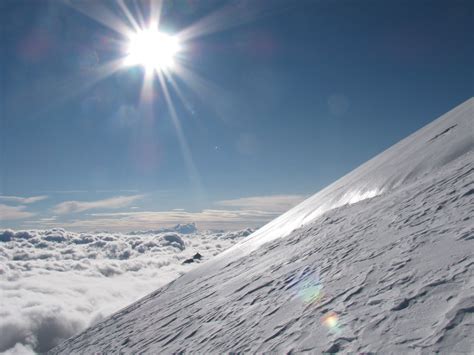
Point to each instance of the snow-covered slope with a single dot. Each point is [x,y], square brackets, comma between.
[379,261]
[416,156]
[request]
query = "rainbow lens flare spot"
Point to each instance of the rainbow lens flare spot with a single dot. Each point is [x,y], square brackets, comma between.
[311,293]
[331,321]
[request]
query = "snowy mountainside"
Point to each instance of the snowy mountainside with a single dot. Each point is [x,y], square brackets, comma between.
[420,154]
[380,261]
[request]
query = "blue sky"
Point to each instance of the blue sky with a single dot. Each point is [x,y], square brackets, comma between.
[284,98]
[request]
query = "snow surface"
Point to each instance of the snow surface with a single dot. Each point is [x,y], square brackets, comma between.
[379,261]
[417,156]
[55,283]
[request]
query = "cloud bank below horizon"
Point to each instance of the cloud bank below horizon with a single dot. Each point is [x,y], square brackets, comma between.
[54,283]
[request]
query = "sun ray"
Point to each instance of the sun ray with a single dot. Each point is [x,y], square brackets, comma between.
[45,96]
[186,152]
[100,13]
[178,91]
[146,93]
[140,18]
[231,15]
[207,91]
[155,12]
[128,14]
[195,81]
[217,20]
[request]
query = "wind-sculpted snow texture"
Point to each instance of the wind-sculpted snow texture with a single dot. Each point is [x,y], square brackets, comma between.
[418,155]
[391,274]
[55,283]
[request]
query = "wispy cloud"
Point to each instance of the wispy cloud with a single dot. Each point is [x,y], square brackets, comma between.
[22,200]
[207,219]
[109,203]
[13,212]
[274,203]
[240,213]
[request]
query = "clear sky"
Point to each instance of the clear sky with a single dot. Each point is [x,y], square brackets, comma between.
[278,99]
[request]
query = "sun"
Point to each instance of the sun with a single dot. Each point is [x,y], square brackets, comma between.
[152,49]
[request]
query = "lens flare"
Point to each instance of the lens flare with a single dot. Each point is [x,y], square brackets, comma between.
[331,321]
[311,291]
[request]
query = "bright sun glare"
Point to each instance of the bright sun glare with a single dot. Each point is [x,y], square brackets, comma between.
[152,49]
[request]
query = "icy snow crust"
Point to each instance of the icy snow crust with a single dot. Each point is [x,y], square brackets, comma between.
[389,274]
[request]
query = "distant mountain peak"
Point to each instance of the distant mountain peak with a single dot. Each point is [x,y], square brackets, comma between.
[187,228]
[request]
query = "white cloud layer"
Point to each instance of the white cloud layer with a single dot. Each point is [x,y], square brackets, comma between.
[109,203]
[55,283]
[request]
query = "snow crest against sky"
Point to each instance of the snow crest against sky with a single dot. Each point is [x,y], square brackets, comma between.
[54,283]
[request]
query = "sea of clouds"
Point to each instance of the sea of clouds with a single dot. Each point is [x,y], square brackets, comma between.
[55,283]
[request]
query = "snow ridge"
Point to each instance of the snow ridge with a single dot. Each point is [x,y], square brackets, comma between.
[422,153]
